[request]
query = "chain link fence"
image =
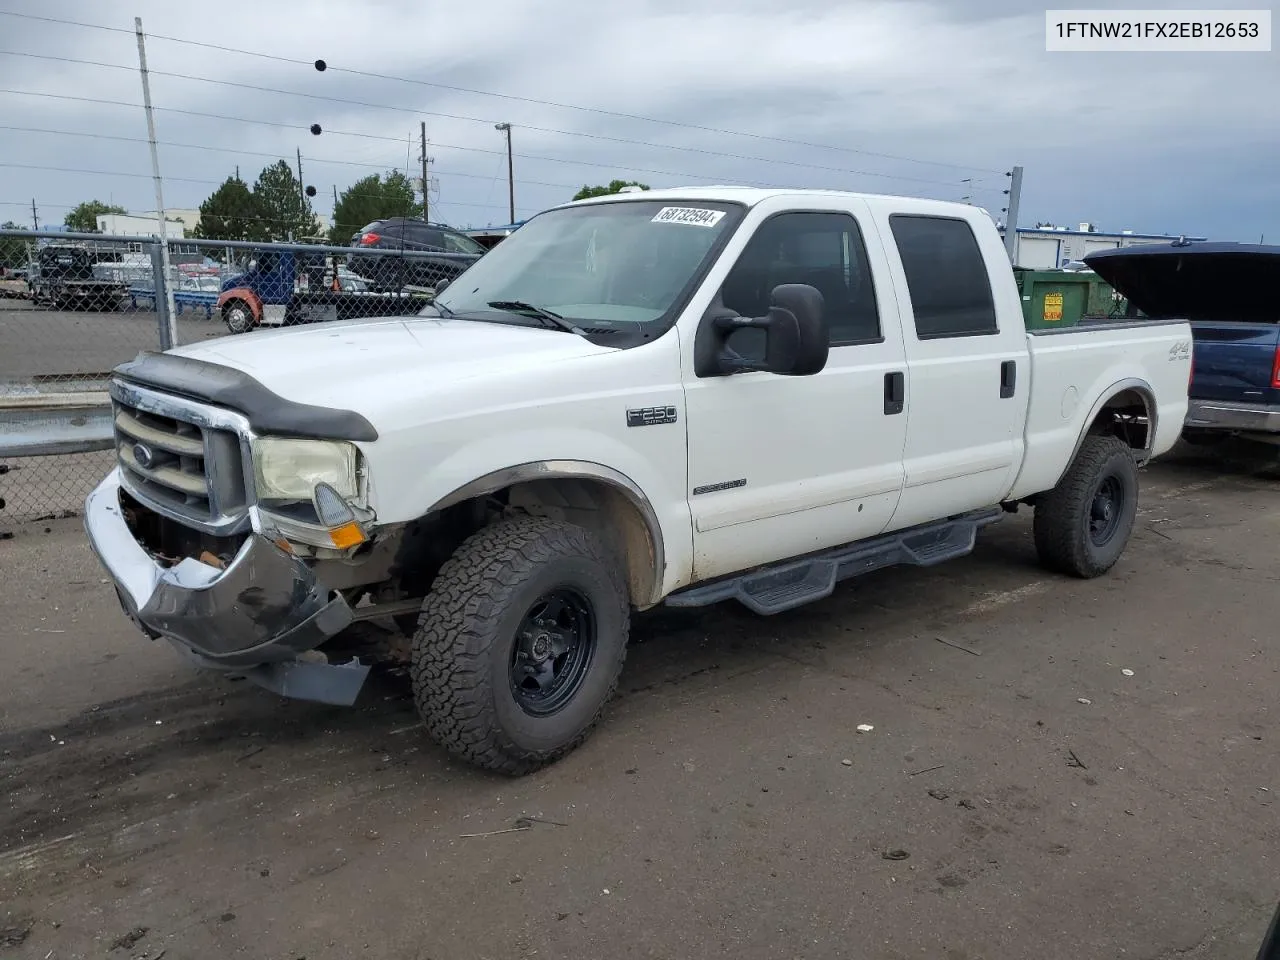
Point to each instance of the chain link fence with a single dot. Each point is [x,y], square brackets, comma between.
[84,303]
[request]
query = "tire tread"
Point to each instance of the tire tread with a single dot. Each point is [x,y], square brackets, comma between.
[1059,537]
[451,679]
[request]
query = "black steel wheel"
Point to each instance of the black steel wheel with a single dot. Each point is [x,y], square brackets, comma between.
[555,643]
[1083,524]
[1106,511]
[520,643]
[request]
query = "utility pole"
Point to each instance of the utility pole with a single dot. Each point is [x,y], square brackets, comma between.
[35,218]
[1011,220]
[302,196]
[426,183]
[169,335]
[511,183]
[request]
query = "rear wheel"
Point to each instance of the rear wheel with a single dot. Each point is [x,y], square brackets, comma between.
[520,644]
[238,316]
[1083,524]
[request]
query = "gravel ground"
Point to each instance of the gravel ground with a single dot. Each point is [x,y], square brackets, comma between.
[43,342]
[1026,797]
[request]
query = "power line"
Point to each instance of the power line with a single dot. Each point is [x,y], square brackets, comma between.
[147,176]
[258,153]
[514,98]
[616,167]
[347,133]
[453,116]
[26,204]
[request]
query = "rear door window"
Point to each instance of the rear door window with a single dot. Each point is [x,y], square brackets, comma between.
[947,277]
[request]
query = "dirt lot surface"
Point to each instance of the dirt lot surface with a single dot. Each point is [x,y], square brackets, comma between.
[1023,798]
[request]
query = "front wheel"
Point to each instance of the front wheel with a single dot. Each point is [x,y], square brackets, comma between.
[520,644]
[1083,524]
[237,316]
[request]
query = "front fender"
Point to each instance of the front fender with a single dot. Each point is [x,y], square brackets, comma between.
[652,484]
[245,294]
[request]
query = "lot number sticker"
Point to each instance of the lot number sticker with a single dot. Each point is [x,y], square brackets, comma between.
[696,216]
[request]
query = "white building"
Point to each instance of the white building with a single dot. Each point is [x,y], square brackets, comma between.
[147,223]
[1049,247]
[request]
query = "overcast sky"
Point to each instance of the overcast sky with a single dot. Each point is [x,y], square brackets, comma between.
[898,97]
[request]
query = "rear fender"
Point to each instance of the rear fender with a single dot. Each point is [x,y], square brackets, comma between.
[1145,393]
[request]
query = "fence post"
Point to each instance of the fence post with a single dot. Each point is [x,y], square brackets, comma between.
[160,278]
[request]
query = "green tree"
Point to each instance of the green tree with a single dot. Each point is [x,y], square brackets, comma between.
[13,252]
[84,218]
[372,198]
[615,186]
[286,213]
[231,213]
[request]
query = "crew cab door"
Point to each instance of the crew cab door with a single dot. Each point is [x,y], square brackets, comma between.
[967,361]
[784,465]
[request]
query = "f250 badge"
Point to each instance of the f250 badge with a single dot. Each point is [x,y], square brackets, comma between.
[650,416]
[1180,351]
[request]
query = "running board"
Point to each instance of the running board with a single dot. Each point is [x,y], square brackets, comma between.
[793,583]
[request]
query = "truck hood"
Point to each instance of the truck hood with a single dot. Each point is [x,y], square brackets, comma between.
[334,364]
[1199,281]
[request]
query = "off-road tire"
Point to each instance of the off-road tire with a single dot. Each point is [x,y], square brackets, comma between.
[1063,516]
[467,634]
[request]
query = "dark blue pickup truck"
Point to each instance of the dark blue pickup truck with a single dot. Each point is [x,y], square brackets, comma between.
[1231,294]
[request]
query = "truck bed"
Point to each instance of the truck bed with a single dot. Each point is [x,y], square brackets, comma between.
[1095,360]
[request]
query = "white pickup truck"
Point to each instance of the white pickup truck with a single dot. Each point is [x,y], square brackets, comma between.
[679,396]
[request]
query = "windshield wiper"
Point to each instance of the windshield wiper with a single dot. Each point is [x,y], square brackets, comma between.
[519,306]
[442,309]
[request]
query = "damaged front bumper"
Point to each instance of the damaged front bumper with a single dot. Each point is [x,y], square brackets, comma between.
[257,617]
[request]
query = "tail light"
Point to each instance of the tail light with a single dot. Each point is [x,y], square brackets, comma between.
[369,239]
[1275,370]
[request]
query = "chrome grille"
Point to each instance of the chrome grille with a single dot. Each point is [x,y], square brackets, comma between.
[186,470]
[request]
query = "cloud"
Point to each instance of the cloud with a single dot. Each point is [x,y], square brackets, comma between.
[1151,142]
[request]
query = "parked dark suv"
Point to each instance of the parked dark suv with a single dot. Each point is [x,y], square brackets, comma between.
[387,271]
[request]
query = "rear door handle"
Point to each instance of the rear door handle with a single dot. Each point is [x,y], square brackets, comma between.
[1008,378]
[895,392]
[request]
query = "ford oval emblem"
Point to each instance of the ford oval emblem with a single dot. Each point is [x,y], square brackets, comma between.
[143,454]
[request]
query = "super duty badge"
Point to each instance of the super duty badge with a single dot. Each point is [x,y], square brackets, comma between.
[650,416]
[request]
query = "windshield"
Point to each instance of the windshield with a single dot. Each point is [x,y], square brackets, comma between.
[603,266]
[461,243]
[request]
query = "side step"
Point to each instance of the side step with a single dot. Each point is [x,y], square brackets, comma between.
[793,583]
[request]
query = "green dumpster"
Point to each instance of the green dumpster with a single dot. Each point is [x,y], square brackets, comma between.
[1104,301]
[1053,298]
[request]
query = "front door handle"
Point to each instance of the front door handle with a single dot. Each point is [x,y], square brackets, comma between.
[1008,378]
[895,392]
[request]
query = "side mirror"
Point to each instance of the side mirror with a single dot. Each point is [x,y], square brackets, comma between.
[795,329]
[440,285]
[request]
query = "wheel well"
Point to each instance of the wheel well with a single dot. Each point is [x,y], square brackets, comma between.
[604,510]
[1127,415]
[595,505]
